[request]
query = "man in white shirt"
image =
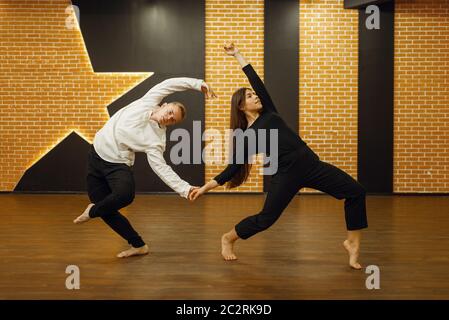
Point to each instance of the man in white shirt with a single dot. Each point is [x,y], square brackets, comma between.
[139,127]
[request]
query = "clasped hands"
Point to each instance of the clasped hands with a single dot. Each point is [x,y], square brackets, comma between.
[195,192]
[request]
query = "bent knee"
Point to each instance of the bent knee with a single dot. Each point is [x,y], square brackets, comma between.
[358,192]
[125,198]
[265,222]
[361,191]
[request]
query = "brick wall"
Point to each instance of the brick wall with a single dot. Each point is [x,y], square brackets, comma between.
[240,21]
[421,100]
[47,86]
[328,81]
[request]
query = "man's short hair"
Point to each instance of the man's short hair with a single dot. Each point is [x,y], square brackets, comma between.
[182,108]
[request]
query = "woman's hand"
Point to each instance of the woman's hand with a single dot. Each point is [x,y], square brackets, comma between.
[230,49]
[192,188]
[197,193]
[207,90]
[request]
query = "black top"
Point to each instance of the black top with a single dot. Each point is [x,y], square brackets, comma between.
[289,143]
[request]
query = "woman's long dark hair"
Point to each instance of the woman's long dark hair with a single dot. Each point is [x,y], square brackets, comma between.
[238,121]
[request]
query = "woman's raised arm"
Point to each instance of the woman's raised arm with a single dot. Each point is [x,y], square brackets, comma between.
[256,83]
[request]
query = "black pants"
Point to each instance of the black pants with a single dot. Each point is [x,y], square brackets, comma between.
[110,187]
[318,175]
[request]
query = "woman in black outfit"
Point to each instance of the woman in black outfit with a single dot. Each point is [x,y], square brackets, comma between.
[298,167]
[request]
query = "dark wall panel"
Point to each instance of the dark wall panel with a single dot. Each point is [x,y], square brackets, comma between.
[64,168]
[164,36]
[281,59]
[375,116]
[357,4]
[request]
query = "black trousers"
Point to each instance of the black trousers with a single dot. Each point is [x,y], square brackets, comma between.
[314,174]
[110,187]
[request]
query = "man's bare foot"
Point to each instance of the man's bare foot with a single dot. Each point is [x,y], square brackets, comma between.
[134,252]
[227,247]
[353,252]
[84,217]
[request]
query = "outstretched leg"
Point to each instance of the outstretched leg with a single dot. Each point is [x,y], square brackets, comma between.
[334,181]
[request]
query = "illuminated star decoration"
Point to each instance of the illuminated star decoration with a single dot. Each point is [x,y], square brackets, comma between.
[49,88]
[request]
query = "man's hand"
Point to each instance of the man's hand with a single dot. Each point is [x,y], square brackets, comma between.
[207,90]
[230,49]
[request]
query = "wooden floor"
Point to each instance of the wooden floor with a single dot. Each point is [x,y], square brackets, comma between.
[300,257]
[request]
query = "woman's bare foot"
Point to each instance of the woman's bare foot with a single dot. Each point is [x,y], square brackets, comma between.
[134,252]
[353,252]
[84,217]
[227,247]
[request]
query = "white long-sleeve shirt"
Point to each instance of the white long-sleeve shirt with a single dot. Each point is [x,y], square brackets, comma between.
[131,130]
